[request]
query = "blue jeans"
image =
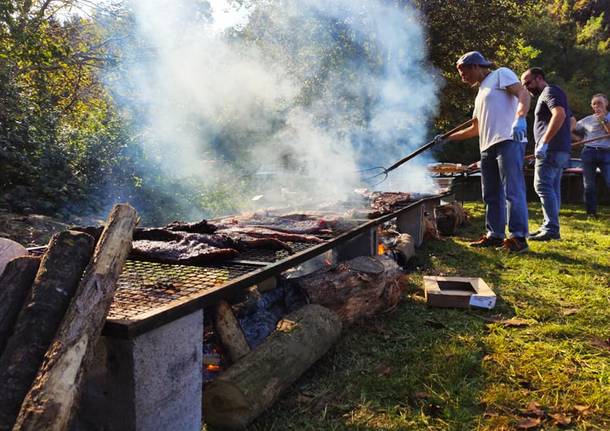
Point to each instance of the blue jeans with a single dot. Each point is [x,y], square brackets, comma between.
[593,158]
[547,183]
[503,187]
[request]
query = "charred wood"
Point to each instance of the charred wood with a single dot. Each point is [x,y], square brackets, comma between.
[60,271]
[50,402]
[15,286]
[253,384]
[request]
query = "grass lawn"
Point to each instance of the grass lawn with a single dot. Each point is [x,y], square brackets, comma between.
[441,369]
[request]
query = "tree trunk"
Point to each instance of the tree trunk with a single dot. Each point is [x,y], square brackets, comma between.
[354,289]
[229,332]
[246,389]
[50,402]
[15,285]
[60,271]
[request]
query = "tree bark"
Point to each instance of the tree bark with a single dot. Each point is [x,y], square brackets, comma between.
[49,404]
[230,333]
[15,286]
[354,289]
[60,271]
[246,389]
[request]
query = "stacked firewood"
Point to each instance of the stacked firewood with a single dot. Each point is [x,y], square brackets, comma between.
[338,295]
[52,310]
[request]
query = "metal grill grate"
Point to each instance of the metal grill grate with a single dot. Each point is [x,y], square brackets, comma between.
[270,256]
[144,286]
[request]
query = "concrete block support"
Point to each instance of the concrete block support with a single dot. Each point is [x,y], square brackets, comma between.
[431,204]
[364,244]
[412,222]
[152,382]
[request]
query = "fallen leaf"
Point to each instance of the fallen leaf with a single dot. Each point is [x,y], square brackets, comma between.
[582,409]
[600,342]
[434,323]
[509,323]
[533,410]
[383,370]
[570,311]
[560,419]
[515,323]
[528,423]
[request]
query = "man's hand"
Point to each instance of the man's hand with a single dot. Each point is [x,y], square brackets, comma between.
[519,129]
[440,140]
[474,166]
[540,150]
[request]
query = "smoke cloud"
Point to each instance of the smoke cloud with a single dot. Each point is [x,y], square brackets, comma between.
[293,96]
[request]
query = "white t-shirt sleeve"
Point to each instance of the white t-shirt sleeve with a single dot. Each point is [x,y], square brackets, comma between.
[506,77]
[580,127]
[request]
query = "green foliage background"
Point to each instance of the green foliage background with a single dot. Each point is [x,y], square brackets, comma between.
[65,141]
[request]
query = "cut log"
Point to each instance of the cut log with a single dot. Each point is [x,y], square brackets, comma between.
[229,332]
[246,389]
[9,250]
[352,294]
[15,286]
[50,402]
[60,271]
[405,247]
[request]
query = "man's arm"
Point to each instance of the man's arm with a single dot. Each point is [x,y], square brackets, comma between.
[521,93]
[576,132]
[558,115]
[467,133]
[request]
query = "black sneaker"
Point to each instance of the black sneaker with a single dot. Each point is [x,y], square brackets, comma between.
[487,241]
[544,236]
[515,245]
[534,233]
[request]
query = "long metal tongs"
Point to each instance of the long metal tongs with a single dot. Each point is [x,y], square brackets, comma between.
[381,174]
[577,144]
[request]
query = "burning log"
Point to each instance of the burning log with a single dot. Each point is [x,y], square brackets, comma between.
[16,282]
[60,271]
[449,217]
[50,401]
[231,336]
[355,289]
[252,385]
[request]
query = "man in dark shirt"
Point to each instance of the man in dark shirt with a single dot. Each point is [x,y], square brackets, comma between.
[553,140]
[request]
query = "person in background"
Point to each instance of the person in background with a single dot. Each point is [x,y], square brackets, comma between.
[499,114]
[553,144]
[595,154]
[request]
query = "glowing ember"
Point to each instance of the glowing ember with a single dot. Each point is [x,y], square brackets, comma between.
[380,249]
[213,368]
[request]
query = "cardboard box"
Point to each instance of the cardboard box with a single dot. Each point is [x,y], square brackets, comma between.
[458,292]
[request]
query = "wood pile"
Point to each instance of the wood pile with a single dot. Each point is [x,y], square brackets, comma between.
[51,314]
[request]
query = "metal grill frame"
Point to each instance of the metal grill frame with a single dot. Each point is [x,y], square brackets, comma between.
[130,328]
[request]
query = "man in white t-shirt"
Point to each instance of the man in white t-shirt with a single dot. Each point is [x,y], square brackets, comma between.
[499,120]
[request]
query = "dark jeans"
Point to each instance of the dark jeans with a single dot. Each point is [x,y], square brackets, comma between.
[547,183]
[503,187]
[593,158]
